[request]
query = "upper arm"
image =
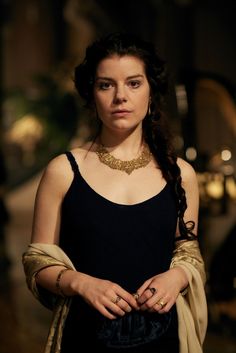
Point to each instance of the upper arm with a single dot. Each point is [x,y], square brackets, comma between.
[47,210]
[190,185]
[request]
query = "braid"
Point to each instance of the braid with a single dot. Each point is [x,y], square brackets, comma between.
[158,139]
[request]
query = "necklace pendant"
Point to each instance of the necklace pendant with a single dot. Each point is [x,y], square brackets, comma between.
[129,170]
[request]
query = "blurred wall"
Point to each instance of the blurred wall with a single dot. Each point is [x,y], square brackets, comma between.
[29,41]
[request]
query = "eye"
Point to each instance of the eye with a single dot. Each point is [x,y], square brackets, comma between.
[134,83]
[104,85]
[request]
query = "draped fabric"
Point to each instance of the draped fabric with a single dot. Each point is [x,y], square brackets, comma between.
[37,257]
[191,304]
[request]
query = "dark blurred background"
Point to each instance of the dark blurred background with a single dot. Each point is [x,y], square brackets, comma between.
[42,116]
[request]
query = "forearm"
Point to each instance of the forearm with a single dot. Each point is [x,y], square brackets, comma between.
[70,282]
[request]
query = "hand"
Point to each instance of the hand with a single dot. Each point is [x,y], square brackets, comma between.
[107,297]
[160,292]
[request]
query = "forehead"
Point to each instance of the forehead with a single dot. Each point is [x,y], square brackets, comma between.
[127,64]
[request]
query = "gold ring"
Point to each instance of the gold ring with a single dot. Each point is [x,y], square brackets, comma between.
[136,296]
[161,303]
[116,301]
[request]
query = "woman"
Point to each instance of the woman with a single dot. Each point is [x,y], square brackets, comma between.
[114,233]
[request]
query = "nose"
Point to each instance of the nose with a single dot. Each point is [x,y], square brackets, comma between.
[120,95]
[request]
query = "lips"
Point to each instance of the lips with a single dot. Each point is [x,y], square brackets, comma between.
[121,112]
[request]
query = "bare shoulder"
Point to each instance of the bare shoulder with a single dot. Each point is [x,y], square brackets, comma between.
[188,173]
[82,151]
[85,153]
[59,170]
[58,167]
[57,175]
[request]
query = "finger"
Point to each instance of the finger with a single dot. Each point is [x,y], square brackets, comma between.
[166,308]
[136,296]
[144,286]
[148,304]
[116,309]
[157,308]
[102,309]
[128,298]
[149,294]
[122,304]
[163,306]
[161,303]
[156,298]
[112,305]
[152,290]
[151,310]
[117,299]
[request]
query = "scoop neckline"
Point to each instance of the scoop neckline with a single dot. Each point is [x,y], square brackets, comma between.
[121,204]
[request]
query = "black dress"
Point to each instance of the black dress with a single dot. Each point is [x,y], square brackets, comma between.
[126,244]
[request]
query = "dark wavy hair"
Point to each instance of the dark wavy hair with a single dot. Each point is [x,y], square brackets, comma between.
[155,131]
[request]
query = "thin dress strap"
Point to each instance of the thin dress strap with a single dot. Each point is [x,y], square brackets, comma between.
[72,161]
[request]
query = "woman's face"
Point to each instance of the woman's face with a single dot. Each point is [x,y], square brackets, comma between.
[121,92]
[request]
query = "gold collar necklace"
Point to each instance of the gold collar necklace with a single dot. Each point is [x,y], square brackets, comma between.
[126,166]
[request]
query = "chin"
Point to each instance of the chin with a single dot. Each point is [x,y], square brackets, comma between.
[124,125]
[124,128]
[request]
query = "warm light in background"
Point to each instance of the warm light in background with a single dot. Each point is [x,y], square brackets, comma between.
[231,187]
[191,153]
[215,187]
[181,97]
[226,155]
[27,131]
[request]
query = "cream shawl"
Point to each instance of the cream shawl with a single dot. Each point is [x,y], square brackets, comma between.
[191,306]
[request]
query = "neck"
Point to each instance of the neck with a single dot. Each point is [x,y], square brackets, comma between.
[123,145]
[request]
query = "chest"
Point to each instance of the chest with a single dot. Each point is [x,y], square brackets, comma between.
[119,187]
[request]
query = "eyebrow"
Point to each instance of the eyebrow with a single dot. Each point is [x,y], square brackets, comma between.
[111,79]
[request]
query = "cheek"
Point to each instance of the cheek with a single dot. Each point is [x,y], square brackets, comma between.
[144,96]
[99,103]
[102,97]
[102,107]
[143,102]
